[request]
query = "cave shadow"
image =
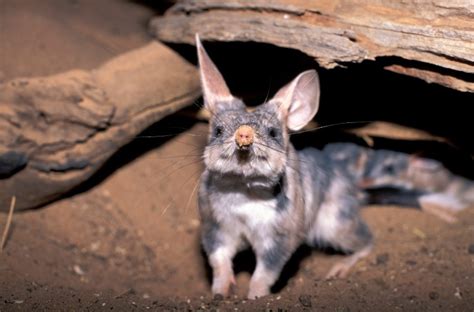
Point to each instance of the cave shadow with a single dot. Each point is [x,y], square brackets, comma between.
[159,7]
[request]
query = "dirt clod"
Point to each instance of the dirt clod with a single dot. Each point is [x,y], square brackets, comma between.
[470,249]
[305,301]
[433,295]
[218,297]
[382,259]
[410,262]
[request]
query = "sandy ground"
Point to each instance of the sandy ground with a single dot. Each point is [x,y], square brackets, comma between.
[129,239]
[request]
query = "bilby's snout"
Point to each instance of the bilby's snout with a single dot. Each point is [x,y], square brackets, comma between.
[244,136]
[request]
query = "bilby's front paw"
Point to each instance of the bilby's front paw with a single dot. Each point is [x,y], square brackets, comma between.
[258,289]
[223,285]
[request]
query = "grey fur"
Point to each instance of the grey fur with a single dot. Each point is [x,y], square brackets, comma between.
[269,196]
[426,179]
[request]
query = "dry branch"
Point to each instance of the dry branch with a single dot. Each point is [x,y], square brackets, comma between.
[8,224]
[434,33]
[56,131]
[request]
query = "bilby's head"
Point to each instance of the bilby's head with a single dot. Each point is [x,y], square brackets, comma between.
[253,143]
[390,168]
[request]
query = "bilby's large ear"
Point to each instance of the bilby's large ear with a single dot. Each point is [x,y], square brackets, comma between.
[214,88]
[299,100]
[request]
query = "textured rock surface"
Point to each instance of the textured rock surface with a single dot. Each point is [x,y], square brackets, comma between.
[437,37]
[56,131]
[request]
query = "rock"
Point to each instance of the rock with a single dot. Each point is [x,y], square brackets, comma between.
[382,259]
[305,301]
[433,295]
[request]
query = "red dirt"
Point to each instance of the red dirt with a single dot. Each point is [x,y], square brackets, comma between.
[130,241]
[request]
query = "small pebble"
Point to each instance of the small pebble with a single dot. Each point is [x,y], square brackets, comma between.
[78,270]
[305,301]
[382,259]
[458,293]
[419,233]
[433,295]
[470,249]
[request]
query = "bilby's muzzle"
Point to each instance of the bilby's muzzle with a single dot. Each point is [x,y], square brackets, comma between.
[244,136]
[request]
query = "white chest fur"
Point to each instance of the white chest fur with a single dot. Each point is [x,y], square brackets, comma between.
[240,211]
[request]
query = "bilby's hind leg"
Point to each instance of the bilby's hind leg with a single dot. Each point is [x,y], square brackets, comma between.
[341,227]
[355,239]
[342,268]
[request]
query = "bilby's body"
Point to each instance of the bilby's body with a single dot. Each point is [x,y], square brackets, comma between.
[258,191]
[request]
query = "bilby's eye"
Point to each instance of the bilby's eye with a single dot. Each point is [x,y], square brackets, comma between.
[273,132]
[389,169]
[218,131]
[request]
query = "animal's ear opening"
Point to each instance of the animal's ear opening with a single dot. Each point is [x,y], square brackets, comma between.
[299,100]
[214,87]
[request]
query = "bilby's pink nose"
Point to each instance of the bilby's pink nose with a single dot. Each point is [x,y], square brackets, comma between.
[244,136]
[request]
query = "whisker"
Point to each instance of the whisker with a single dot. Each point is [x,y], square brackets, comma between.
[165,209]
[168,171]
[270,147]
[268,91]
[196,184]
[183,166]
[157,136]
[172,199]
[332,125]
[179,156]
[279,151]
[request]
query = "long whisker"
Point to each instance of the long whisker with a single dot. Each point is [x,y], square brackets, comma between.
[180,156]
[270,147]
[332,125]
[268,91]
[173,169]
[281,152]
[172,199]
[196,184]
[157,136]
[287,164]
[181,167]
